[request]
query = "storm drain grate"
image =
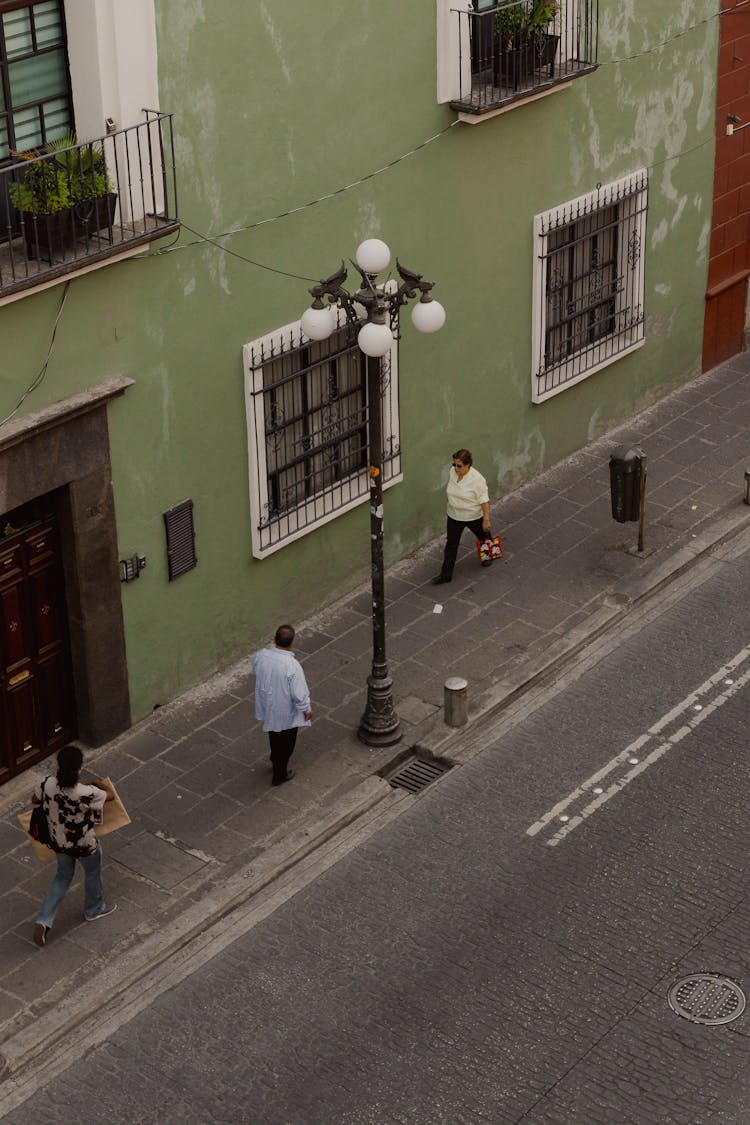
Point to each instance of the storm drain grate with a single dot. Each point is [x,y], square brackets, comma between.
[707,998]
[417,774]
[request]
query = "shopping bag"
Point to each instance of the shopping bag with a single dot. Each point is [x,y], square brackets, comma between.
[114,816]
[490,548]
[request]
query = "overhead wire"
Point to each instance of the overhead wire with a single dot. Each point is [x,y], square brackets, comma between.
[214,239]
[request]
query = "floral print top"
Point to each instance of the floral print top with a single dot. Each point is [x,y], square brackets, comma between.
[72,814]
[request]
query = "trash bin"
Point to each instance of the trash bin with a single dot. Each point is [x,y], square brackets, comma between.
[625,484]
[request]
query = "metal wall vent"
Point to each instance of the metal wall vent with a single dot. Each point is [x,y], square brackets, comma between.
[178,522]
[417,774]
[708,998]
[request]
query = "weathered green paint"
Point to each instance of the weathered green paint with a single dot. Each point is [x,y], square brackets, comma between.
[277,104]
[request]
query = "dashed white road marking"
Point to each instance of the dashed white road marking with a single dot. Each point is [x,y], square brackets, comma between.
[726,678]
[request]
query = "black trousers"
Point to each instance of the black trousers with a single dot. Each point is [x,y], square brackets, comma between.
[282,748]
[453,538]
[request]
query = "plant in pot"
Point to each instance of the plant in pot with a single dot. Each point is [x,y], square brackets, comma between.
[65,194]
[523,41]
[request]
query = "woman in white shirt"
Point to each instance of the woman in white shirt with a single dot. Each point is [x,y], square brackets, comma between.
[468,506]
[72,812]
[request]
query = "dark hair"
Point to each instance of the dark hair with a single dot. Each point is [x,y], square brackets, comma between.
[463,455]
[284,636]
[69,762]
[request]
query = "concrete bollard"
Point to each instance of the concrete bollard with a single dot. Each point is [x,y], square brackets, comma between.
[455,702]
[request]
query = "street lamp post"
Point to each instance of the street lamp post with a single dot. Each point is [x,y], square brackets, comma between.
[380,304]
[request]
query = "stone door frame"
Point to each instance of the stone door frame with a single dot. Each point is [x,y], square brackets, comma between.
[63,450]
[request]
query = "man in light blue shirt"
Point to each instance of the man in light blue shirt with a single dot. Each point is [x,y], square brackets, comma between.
[282,700]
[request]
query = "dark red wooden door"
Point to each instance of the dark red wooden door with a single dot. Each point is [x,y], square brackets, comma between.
[37,714]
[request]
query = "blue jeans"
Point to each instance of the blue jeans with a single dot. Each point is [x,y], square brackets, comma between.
[93,894]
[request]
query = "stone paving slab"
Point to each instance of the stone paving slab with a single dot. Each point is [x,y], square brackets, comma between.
[195,775]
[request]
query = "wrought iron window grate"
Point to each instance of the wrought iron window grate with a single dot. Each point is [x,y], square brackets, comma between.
[589,284]
[307,421]
[178,522]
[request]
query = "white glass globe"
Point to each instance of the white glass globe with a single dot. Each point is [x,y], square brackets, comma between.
[428,316]
[373,255]
[317,324]
[375,339]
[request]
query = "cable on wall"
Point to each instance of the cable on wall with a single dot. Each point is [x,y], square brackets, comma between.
[39,379]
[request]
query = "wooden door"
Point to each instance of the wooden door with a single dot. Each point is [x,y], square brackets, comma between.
[37,714]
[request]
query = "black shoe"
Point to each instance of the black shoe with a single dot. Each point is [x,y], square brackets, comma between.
[439,579]
[40,934]
[289,776]
[486,562]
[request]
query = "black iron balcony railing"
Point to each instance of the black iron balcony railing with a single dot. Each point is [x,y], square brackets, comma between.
[72,205]
[514,50]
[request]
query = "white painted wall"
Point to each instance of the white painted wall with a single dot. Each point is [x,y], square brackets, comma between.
[113,62]
[113,74]
[453,49]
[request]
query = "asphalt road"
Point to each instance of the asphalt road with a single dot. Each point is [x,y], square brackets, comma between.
[481,959]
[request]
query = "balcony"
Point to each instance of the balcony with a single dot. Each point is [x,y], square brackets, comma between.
[71,207]
[506,54]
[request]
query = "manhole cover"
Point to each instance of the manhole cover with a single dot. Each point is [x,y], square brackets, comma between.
[707,998]
[417,774]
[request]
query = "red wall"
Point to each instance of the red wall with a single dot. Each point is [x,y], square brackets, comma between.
[729,263]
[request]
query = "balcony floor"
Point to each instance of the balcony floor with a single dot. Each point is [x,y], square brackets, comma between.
[485,97]
[20,272]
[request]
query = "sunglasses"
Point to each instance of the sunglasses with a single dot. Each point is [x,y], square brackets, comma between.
[458,464]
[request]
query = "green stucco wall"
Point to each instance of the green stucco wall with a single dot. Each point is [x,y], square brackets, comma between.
[278,103]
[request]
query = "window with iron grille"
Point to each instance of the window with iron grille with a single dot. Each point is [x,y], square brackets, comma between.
[306,407]
[588,284]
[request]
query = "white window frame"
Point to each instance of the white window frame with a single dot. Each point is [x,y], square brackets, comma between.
[630,194]
[342,497]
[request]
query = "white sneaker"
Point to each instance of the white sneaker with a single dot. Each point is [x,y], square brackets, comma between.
[103,914]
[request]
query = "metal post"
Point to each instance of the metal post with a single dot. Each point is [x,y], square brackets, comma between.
[642,524]
[455,702]
[379,725]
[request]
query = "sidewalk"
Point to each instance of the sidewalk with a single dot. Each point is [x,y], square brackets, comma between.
[208,831]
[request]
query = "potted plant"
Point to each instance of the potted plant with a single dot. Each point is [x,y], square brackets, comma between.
[65,194]
[522,40]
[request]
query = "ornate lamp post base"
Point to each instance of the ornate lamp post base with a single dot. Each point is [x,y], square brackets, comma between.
[380,724]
